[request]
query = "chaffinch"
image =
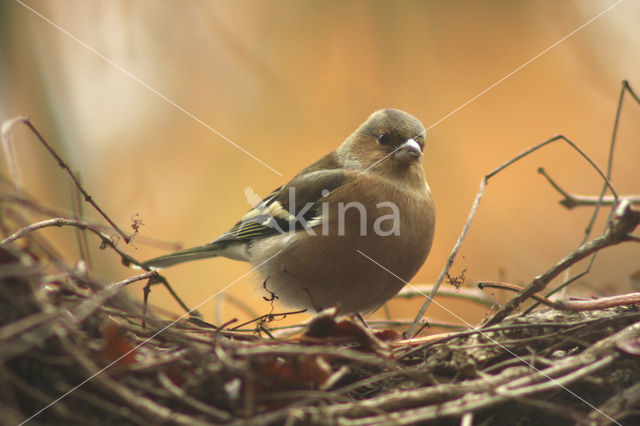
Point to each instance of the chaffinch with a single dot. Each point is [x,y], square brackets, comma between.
[310,239]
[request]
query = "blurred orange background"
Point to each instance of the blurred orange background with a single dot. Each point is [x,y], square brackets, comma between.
[127,91]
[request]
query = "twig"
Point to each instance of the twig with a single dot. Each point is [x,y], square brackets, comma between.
[107,241]
[84,309]
[114,409]
[330,351]
[473,395]
[48,250]
[6,128]
[51,211]
[33,392]
[58,221]
[452,256]
[470,294]
[561,286]
[179,393]
[572,305]
[571,201]
[78,214]
[626,88]
[38,328]
[269,317]
[403,323]
[137,402]
[171,377]
[503,328]
[601,303]
[547,406]
[474,208]
[512,287]
[624,222]
[600,201]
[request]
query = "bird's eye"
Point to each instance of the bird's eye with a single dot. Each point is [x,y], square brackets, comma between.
[384,138]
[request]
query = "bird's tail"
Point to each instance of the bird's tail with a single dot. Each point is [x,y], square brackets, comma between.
[186,255]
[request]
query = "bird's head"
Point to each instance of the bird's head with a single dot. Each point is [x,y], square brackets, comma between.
[390,140]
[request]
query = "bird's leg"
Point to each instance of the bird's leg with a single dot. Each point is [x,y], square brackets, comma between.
[303,288]
[361,319]
[313,303]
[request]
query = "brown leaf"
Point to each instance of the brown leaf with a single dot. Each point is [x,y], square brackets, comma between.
[117,347]
[326,329]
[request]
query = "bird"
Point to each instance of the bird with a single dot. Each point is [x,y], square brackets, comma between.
[348,231]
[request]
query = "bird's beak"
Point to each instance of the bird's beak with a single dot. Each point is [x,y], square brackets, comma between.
[410,150]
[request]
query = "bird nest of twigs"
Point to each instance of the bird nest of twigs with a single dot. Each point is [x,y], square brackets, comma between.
[77,349]
[73,350]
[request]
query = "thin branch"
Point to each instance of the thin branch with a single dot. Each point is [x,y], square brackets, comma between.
[474,208]
[452,256]
[180,394]
[571,201]
[470,294]
[39,328]
[81,237]
[453,400]
[269,317]
[151,409]
[572,305]
[564,284]
[625,89]
[502,328]
[512,287]
[51,211]
[48,250]
[624,222]
[547,142]
[601,303]
[107,241]
[59,222]
[6,128]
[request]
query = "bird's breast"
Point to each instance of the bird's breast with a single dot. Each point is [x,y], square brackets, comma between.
[360,254]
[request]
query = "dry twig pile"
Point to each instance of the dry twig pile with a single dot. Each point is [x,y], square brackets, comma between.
[60,331]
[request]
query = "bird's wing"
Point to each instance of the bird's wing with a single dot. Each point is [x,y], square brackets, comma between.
[288,208]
